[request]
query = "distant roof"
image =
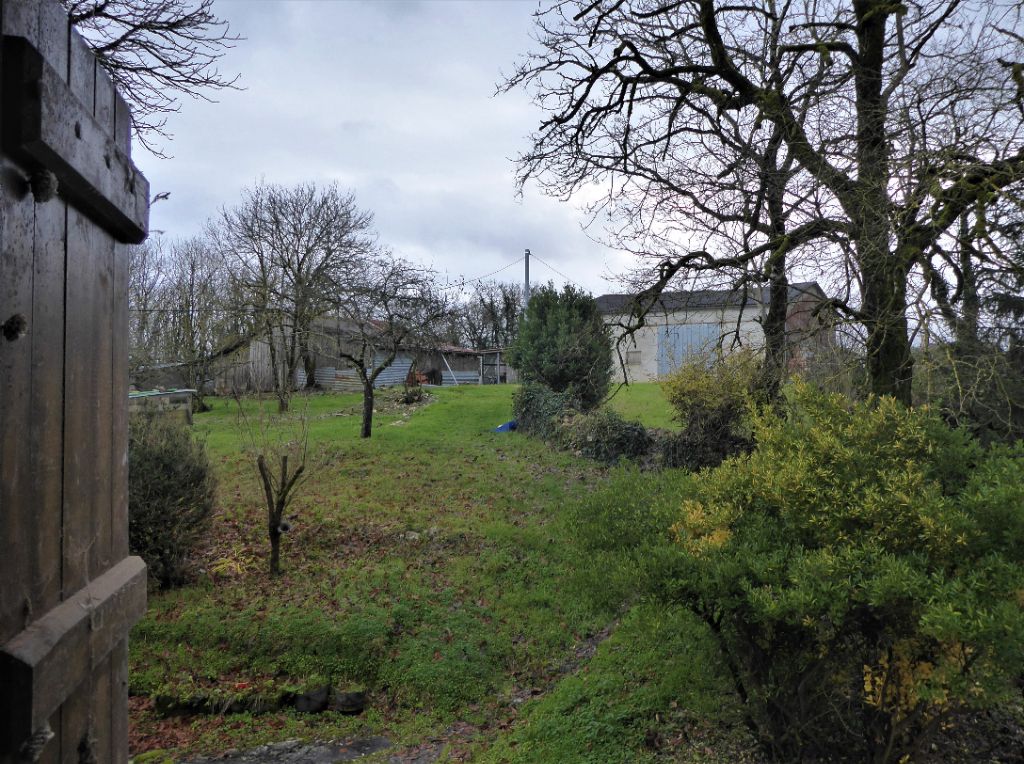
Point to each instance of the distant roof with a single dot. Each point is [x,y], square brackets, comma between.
[159,393]
[706,298]
[458,350]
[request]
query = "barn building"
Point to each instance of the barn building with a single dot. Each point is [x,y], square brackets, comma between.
[681,324]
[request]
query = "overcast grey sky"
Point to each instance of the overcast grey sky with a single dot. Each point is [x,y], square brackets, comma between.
[395,100]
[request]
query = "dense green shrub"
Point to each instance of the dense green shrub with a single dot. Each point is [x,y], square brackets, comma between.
[980,388]
[538,410]
[605,436]
[564,344]
[861,571]
[170,495]
[681,449]
[712,396]
[602,435]
[712,382]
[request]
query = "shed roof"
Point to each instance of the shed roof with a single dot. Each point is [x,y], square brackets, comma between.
[706,298]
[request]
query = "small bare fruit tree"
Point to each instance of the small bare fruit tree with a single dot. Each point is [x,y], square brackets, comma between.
[279,492]
[388,306]
[280,446]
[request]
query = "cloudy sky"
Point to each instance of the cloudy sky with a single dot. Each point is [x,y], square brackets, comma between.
[395,100]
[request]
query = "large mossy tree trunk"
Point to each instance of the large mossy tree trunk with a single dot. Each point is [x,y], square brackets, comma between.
[773,368]
[884,272]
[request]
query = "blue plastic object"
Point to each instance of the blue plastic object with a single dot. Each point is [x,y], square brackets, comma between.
[507,427]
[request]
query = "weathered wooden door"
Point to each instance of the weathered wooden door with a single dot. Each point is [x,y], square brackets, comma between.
[678,342]
[69,592]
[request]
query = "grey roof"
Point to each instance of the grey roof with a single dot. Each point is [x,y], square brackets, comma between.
[706,298]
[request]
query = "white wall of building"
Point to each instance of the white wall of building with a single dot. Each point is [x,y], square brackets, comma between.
[710,328]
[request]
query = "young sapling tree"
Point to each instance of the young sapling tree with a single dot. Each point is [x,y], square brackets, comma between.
[279,494]
[277,440]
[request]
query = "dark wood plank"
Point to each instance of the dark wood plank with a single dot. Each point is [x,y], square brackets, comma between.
[54,35]
[51,753]
[100,713]
[119,406]
[47,404]
[74,726]
[102,557]
[16,516]
[63,416]
[55,129]
[87,451]
[103,109]
[82,73]
[45,664]
[21,19]
[122,124]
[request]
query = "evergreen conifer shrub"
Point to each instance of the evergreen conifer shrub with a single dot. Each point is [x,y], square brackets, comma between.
[564,345]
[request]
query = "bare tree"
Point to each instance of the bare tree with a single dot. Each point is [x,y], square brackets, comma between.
[155,51]
[971,354]
[180,316]
[289,252]
[489,317]
[870,127]
[197,323]
[147,265]
[279,447]
[388,305]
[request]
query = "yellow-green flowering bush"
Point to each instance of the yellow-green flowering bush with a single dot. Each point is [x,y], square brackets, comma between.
[861,571]
[712,396]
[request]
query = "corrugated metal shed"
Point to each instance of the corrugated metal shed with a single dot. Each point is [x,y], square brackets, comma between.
[460,377]
[330,378]
[396,373]
[346,379]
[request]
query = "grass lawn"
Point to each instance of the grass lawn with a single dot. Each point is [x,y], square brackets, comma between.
[434,566]
[645,402]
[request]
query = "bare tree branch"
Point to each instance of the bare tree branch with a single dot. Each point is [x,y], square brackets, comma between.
[156,51]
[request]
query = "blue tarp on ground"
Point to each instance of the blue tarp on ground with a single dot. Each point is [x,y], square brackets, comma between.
[507,427]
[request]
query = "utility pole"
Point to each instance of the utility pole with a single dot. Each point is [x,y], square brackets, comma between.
[526,284]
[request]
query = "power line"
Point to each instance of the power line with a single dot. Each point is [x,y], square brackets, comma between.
[494,273]
[465,282]
[457,285]
[553,268]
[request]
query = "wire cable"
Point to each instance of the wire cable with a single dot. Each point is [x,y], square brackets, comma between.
[493,273]
[553,268]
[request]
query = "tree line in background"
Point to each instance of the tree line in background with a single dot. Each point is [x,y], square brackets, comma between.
[299,269]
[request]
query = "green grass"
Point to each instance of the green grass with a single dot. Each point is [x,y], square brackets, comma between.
[644,401]
[655,673]
[446,568]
